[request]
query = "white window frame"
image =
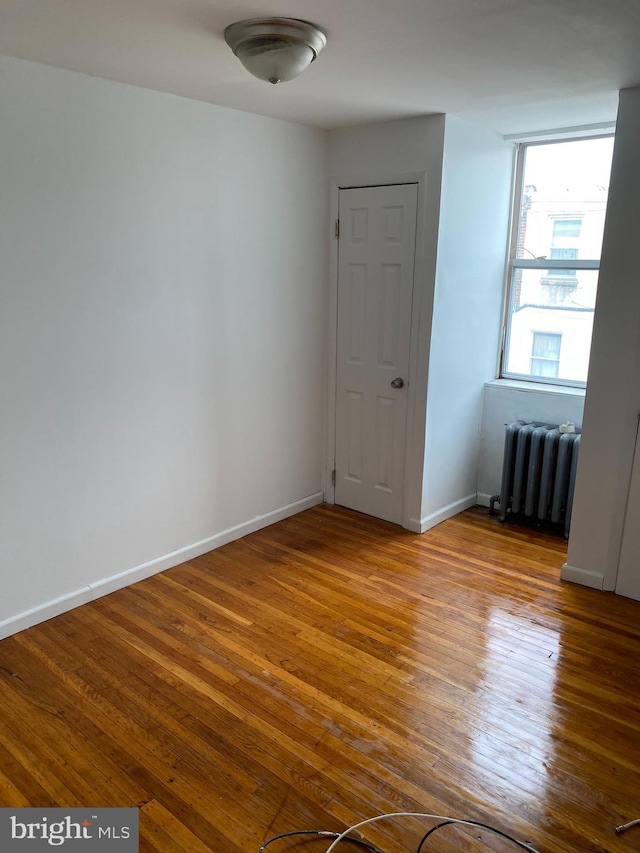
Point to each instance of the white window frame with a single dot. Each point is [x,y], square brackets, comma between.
[515,263]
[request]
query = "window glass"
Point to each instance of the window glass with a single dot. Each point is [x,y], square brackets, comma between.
[545,354]
[559,216]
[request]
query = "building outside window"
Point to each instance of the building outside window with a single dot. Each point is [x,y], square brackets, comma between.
[561,198]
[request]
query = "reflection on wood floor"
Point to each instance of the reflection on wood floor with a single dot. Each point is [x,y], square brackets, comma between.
[329,668]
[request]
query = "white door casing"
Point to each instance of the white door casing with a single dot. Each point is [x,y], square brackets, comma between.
[628,580]
[376,260]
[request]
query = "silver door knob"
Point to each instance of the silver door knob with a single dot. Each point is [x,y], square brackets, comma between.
[398,382]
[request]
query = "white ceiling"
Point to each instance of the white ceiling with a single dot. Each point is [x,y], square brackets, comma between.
[514,65]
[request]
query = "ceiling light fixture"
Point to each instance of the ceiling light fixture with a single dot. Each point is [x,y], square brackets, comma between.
[275,49]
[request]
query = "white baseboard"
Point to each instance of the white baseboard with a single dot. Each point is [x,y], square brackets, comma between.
[429,521]
[484,499]
[586,577]
[103,587]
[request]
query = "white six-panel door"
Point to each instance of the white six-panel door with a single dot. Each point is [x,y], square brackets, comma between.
[376,256]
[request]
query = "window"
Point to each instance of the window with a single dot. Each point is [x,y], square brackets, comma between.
[564,246]
[545,354]
[565,229]
[560,206]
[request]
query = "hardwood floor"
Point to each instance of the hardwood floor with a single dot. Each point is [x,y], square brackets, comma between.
[329,668]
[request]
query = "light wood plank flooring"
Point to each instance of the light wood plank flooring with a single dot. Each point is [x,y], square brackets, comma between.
[329,668]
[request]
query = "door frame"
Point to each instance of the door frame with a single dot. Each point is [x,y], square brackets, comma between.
[629,445]
[420,338]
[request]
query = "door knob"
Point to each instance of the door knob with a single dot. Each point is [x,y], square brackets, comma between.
[398,382]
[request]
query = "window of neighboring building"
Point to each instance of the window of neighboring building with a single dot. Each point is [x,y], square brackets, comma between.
[564,245]
[560,205]
[545,354]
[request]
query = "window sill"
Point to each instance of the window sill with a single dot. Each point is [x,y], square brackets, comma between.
[538,387]
[570,282]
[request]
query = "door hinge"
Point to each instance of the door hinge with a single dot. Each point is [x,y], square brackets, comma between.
[333,477]
[337,229]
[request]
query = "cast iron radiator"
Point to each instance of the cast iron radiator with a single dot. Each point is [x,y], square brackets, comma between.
[538,472]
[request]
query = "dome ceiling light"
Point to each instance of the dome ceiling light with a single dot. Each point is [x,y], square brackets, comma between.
[275,49]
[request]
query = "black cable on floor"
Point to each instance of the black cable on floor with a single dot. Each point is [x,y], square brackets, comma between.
[325,834]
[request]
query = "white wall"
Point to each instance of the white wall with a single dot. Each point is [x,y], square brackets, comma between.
[396,151]
[506,401]
[407,145]
[162,332]
[613,400]
[462,238]
[472,242]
